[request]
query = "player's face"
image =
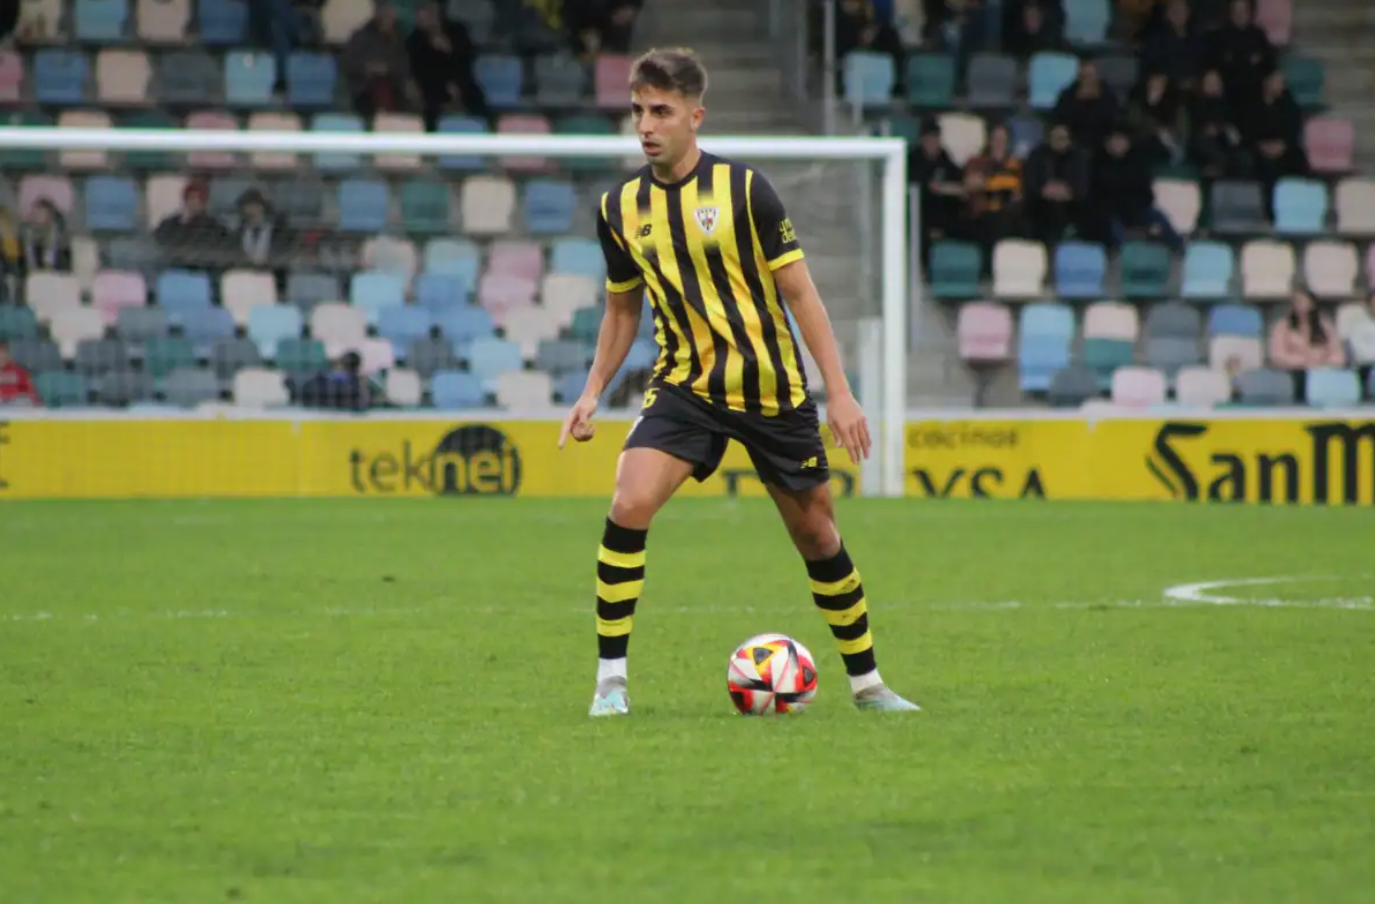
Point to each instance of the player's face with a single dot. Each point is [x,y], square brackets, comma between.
[666,122]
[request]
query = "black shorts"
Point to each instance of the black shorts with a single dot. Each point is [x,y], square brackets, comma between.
[786,449]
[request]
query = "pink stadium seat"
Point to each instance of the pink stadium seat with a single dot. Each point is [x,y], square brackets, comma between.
[163,21]
[391,255]
[57,189]
[528,327]
[1242,352]
[83,160]
[70,326]
[215,121]
[378,355]
[272,121]
[243,290]
[1180,201]
[123,76]
[116,289]
[1277,18]
[985,332]
[392,123]
[11,76]
[1201,387]
[488,204]
[50,293]
[1138,387]
[612,81]
[1111,320]
[1370,265]
[517,124]
[502,292]
[513,258]
[339,326]
[162,197]
[1331,144]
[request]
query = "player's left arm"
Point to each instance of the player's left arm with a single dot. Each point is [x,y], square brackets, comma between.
[793,279]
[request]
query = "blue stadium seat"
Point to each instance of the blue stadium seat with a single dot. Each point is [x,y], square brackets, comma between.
[1300,207]
[549,205]
[1332,388]
[1209,268]
[568,387]
[248,78]
[403,325]
[502,78]
[337,122]
[461,326]
[180,291]
[490,357]
[580,257]
[111,204]
[269,324]
[1043,343]
[310,79]
[869,78]
[461,125]
[454,390]
[100,21]
[454,257]
[1048,75]
[1081,268]
[205,326]
[61,389]
[370,291]
[440,291]
[1235,320]
[642,354]
[363,205]
[955,269]
[992,81]
[60,77]
[1087,21]
[17,322]
[306,290]
[222,22]
[299,357]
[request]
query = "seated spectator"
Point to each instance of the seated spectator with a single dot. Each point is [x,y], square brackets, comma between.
[1362,340]
[1156,108]
[281,26]
[192,236]
[376,66]
[930,166]
[1121,198]
[1304,338]
[343,387]
[263,240]
[959,26]
[858,28]
[1241,51]
[1215,143]
[441,57]
[16,388]
[1274,130]
[1175,49]
[1087,106]
[993,190]
[1057,183]
[1033,26]
[44,239]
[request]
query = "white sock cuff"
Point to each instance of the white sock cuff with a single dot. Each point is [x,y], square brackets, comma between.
[864,682]
[610,668]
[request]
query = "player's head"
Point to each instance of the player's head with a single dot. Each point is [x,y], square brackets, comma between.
[666,88]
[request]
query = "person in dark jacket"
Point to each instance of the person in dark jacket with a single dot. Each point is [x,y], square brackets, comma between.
[1087,106]
[1121,199]
[1057,184]
[441,57]
[1033,26]
[1273,128]
[1215,142]
[1156,108]
[930,166]
[342,387]
[1176,48]
[1242,53]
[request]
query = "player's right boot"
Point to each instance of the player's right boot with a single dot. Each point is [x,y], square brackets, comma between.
[610,699]
[880,699]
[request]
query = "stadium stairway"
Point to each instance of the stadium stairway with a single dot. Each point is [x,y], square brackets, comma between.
[1338,33]
[747,97]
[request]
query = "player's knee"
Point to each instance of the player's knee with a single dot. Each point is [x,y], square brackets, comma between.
[816,537]
[634,508]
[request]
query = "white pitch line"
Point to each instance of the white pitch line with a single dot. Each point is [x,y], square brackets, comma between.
[1202,594]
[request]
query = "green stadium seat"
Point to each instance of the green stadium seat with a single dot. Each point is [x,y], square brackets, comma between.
[1103,356]
[586,324]
[149,160]
[425,207]
[23,158]
[956,268]
[1145,270]
[1307,78]
[584,125]
[930,80]
[162,356]
[301,357]
[62,389]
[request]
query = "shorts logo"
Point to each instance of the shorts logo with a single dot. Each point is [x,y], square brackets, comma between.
[808,464]
[706,218]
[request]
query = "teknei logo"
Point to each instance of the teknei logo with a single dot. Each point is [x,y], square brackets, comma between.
[473,460]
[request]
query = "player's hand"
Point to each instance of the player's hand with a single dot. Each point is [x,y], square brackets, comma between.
[849,426]
[578,424]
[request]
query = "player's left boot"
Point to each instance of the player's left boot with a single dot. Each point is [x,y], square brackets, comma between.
[610,699]
[880,699]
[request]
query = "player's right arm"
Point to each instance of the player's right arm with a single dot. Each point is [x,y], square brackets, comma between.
[625,291]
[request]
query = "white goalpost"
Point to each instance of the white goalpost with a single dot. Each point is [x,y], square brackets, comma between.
[878,356]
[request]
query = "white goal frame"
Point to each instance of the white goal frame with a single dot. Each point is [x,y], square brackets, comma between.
[884,472]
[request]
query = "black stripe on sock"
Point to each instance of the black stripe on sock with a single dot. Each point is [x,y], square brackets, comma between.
[612,611]
[860,663]
[838,603]
[623,539]
[618,647]
[614,574]
[853,631]
[837,568]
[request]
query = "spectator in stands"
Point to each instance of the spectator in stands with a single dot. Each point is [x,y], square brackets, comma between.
[858,28]
[993,190]
[1057,183]
[263,240]
[1361,337]
[960,26]
[441,57]
[192,236]
[16,388]
[1274,129]
[1241,51]
[1215,142]
[1033,26]
[1175,49]
[1157,111]
[607,25]
[930,166]
[343,387]
[1087,106]
[376,65]
[1121,198]
[1302,338]
[44,239]
[279,25]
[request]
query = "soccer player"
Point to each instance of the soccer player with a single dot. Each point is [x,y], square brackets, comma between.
[709,240]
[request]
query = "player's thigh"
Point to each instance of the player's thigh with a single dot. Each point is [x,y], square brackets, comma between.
[809,516]
[646,479]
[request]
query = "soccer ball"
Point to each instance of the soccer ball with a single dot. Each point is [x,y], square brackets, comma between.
[771,673]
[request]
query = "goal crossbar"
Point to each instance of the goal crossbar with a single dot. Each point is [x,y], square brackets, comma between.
[891,153]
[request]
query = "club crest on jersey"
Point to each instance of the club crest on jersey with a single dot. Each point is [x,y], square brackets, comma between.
[706,218]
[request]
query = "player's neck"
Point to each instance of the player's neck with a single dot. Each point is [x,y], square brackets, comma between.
[680,168]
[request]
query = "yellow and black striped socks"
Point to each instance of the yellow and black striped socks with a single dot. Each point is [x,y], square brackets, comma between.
[620,579]
[839,594]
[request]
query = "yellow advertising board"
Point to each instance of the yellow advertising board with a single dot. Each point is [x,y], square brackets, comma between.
[986,459]
[367,457]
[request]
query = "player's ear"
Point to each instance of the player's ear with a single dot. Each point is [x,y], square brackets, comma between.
[697,113]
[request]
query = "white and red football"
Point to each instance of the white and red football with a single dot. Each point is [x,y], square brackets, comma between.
[771,673]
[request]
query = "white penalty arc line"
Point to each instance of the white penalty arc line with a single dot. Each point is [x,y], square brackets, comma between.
[1208,593]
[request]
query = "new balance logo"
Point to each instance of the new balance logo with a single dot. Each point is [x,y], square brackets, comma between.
[809,464]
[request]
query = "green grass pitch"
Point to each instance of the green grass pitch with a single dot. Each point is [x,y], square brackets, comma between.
[347,701]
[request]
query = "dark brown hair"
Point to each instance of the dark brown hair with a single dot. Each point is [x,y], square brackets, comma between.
[670,69]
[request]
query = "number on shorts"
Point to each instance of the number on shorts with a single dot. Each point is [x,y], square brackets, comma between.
[651,395]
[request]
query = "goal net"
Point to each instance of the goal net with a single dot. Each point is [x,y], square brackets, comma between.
[228,269]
